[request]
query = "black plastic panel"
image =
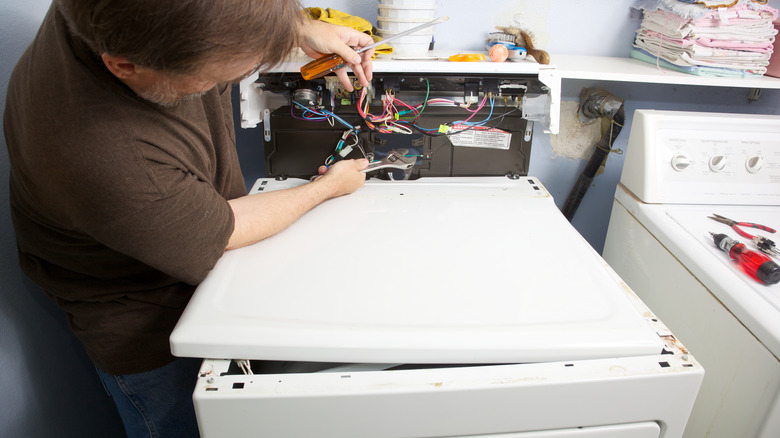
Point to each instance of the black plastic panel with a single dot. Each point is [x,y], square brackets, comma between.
[298,147]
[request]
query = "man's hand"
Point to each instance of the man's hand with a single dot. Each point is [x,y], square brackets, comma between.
[321,38]
[344,176]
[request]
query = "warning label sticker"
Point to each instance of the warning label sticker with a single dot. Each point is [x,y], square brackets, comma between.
[479,137]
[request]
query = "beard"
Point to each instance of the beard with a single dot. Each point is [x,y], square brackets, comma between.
[164,94]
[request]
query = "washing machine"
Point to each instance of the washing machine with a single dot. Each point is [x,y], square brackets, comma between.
[682,169]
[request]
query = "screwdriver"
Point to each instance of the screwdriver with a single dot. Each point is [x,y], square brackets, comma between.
[328,63]
[755,264]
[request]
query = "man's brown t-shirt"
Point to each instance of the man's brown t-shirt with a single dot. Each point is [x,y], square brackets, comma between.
[119,205]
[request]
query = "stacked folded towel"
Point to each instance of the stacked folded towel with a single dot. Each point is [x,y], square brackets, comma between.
[709,38]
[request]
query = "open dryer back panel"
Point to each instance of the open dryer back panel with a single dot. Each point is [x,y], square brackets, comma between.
[487,134]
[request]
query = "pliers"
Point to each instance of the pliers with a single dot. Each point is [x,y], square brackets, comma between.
[762,243]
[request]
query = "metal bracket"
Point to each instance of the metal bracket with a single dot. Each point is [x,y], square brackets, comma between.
[267,124]
[551,77]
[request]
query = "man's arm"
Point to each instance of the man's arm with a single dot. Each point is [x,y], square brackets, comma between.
[262,215]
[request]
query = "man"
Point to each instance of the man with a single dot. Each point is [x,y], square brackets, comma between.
[125,187]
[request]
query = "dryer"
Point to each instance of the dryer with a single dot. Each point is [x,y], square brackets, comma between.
[448,299]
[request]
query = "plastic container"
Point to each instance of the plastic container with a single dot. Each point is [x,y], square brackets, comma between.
[410,49]
[429,3]
[426,13]
[400,15]
[416,37]
[400,25]
[421,40]
[409,45]
[384,33]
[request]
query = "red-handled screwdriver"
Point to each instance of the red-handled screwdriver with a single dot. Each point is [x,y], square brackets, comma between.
[757,265]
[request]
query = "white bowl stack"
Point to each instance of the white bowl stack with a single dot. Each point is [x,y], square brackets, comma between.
[399,15]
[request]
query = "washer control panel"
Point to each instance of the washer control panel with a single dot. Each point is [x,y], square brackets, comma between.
[728,157]
[703,158]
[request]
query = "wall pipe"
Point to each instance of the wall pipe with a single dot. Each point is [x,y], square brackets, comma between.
[595,103]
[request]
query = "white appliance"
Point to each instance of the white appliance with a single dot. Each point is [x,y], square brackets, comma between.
[680,168]
[438,307]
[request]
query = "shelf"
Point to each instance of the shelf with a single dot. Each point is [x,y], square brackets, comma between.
[632,70]
[433,62]
[563,67]
[388,64]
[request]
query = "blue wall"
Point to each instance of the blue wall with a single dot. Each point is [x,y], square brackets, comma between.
[49,386]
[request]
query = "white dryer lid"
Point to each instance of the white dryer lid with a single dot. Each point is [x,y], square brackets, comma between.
[437,270]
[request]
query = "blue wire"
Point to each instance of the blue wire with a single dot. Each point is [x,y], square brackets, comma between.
[482,123]
[309,110]
[324,114]
[342,121]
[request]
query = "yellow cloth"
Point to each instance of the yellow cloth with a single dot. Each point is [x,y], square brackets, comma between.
[334,16]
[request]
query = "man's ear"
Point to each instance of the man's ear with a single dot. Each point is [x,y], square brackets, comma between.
[119,66]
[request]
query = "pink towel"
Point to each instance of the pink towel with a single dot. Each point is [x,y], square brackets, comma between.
[753,46]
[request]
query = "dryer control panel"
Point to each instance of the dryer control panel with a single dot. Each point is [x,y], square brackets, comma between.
[420,124]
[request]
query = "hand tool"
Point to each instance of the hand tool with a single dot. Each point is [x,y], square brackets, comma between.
[392,160]
[328,63]
[755,264]
[762,243]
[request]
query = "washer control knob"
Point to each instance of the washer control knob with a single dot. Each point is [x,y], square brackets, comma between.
[718,163]
[754,164]
[680,162]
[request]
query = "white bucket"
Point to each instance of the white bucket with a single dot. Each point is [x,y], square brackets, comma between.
[382,32]
[410,49]
[426,13]
[408,45]
[400,25]
[428,3]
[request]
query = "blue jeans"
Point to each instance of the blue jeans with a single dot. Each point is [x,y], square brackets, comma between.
[156,403]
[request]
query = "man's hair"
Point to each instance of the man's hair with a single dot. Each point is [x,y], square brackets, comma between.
[180,36]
